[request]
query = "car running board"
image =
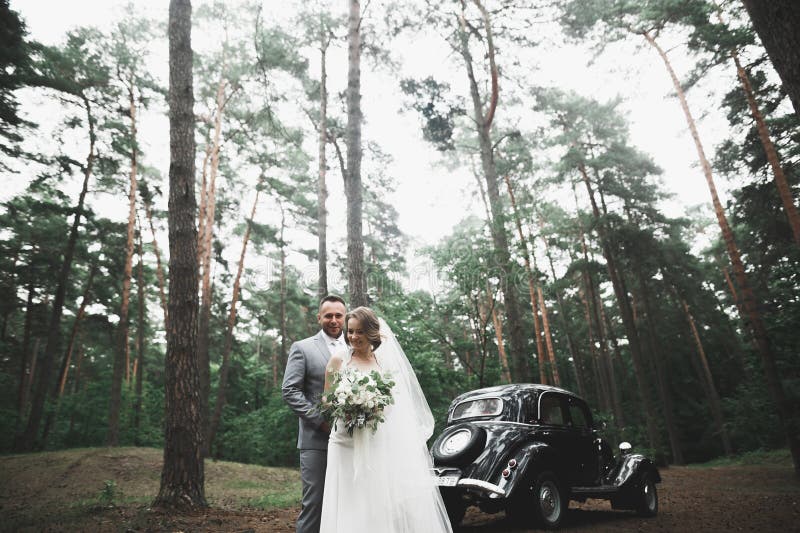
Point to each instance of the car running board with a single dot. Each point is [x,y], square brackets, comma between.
[602,490]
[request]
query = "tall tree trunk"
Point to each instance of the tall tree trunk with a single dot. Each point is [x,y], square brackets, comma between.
[521,367]
[626,312]
[577,363]
[274,364]
[284,355]
[226,350]
[27,441]
[537,329]
[551,355]
[790,419]
[140,344]
[498,331]
[776,22]
[183,473]
[202,215]
[662,371]
[26,350]
[62,379]
[711,389]
[123,354]
[784,191]
[322,189]
[356,276]
[604,365]
[159,269]
[206,240]
[55,395]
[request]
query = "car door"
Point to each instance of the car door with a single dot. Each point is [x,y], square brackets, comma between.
[553,417]
[584,458]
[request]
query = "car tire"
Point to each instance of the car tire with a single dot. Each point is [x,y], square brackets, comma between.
[475,442]
[647,497]
[549,502]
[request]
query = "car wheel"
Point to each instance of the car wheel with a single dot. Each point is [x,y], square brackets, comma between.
[647,498]
[455,506]
[549,503]
[459,446]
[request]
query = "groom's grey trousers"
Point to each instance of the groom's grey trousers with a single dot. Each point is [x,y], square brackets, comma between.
[312,472]
[302,386]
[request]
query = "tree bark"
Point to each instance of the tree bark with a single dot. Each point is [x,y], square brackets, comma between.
[577,363]
[356,276]
[551,355]
[537,329]
[789,418]
[776,22]
[140,344]
[123,354]
[662,373]
[85,299]
[183,474]
[711,389]
[24,369]
[604,365]
[626,312]
[206,239]
[498,331]
[28,440]
[322,189]
[159,269]
[284,355]
[784,191]
[483,122]
[226,351]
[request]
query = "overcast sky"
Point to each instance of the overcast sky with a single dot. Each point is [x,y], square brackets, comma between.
[430,199]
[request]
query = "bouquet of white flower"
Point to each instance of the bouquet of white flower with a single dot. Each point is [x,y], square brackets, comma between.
[357,399]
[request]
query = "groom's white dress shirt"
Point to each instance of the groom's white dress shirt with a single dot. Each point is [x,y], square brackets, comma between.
[334,345]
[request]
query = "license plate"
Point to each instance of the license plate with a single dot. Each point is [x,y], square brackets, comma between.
[446,481]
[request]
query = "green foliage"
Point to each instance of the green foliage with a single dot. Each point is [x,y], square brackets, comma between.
[265,71]
[110,493]
[780,457]
[14,61]
[431,99]
[265,436]
[278,497]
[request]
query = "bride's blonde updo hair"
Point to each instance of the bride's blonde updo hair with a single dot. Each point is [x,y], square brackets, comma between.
[369,323]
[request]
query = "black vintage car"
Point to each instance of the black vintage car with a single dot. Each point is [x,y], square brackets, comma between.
[529,450]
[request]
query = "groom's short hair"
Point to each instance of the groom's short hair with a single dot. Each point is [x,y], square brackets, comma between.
[332,298]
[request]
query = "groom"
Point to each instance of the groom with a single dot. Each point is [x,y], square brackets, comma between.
[302,387]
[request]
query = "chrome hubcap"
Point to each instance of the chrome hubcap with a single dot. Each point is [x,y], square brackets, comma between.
[549,501]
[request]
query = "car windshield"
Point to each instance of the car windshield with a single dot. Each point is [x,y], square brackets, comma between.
[478,407]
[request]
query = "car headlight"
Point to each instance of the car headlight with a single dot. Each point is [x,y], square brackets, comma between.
[455,442]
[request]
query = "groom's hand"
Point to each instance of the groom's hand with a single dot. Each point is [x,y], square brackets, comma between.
[325,427]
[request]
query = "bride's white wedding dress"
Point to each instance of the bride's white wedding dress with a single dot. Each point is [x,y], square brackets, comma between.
[381,482]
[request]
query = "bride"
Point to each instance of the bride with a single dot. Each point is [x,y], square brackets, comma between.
[381,481]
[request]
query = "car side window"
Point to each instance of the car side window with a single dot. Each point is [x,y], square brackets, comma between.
[550,409]
[578,416]
[529,409]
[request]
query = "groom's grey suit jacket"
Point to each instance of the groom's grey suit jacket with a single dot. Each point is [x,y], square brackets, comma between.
[303,383]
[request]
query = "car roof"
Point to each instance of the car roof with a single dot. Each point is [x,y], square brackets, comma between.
[512,389]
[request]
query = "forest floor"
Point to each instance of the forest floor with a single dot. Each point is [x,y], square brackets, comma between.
[102,489]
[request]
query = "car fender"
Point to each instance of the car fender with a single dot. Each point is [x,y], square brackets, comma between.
[631,469]
[532,458]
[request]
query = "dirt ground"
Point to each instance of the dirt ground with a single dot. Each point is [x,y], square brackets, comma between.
[746,498]
[764,497]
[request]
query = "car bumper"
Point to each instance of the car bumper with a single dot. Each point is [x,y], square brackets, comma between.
[490,489]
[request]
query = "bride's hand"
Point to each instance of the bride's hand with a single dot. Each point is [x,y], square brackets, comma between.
[334,365]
